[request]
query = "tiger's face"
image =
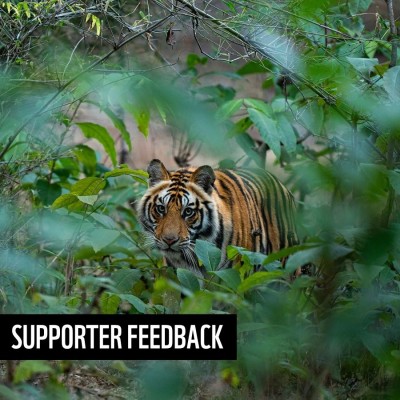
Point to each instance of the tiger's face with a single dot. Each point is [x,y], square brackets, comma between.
[177,209]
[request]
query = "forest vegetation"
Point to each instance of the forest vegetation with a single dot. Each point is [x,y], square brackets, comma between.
[328,122]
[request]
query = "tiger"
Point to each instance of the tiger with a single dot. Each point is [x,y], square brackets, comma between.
[248,208]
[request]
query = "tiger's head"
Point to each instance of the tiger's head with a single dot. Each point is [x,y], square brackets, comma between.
[177,209]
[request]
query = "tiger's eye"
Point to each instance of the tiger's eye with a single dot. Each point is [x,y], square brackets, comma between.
[188,212]
[160,209]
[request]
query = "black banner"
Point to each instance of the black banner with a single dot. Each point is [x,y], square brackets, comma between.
[123,337]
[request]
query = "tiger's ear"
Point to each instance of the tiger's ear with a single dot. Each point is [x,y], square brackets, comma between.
[157,172]
[204,177]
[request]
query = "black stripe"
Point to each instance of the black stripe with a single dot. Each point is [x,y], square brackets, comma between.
[220,236]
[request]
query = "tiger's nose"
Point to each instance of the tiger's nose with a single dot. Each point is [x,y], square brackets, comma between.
[170,239]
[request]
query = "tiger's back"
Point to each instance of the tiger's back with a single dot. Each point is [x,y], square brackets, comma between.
[246,208]
[260,207]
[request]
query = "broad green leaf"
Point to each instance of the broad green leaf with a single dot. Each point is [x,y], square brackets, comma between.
[125,279]
[120,125]
[376,344]
[230,276]
[138,174]
[99,238]
[280,104]
[48,192]
[27,369]
[109,303]
[188,279]
[65,200]
[312,117]
[141,114]
[193,59]
[259,105]
[370,48]
[381,69]
[209,254]
[255,67]
[88,199]
[253,257]
[229,108]
[258,279]
[140,306]
[87,156]
[286,133]
[368,273]
[301,258]
[391,82]
[363,65]
[88,186]
[7,393]
[200,303]
[105,220]
[284,253]
[358,6]
[268,129]
[394,179]
[98,132]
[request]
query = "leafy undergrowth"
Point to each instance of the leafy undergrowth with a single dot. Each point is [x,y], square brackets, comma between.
[332,333]
[70,241]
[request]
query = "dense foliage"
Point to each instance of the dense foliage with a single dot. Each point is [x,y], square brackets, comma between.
[70,240]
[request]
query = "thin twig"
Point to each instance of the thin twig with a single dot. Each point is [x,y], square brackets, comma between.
[393,32]
[12,138]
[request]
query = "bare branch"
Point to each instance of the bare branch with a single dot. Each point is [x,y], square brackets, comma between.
[12,138]
[393,32]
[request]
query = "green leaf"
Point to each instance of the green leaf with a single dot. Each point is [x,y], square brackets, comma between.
[193,59]
[109,303]
[27,369]
[98,132]
[10,394]
[253,257]
[65,200]
[87,157]
[368,273]
[120,125]
[370,48]
[376,344]
[100,238]
[391,82]
[357,6]
[188,279]
[88,199]
[137,174]
[278,255]
[125,279]
[139,305]
[363,65]
[88,186]
[258,279]
[229,108]
[230,276]
[47,192]
[286,133]
[301,258]
[141,114]
[255,67]
[312,117]
[209,254]
[394,179]
[259,105]
[199,303]
[268,130]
